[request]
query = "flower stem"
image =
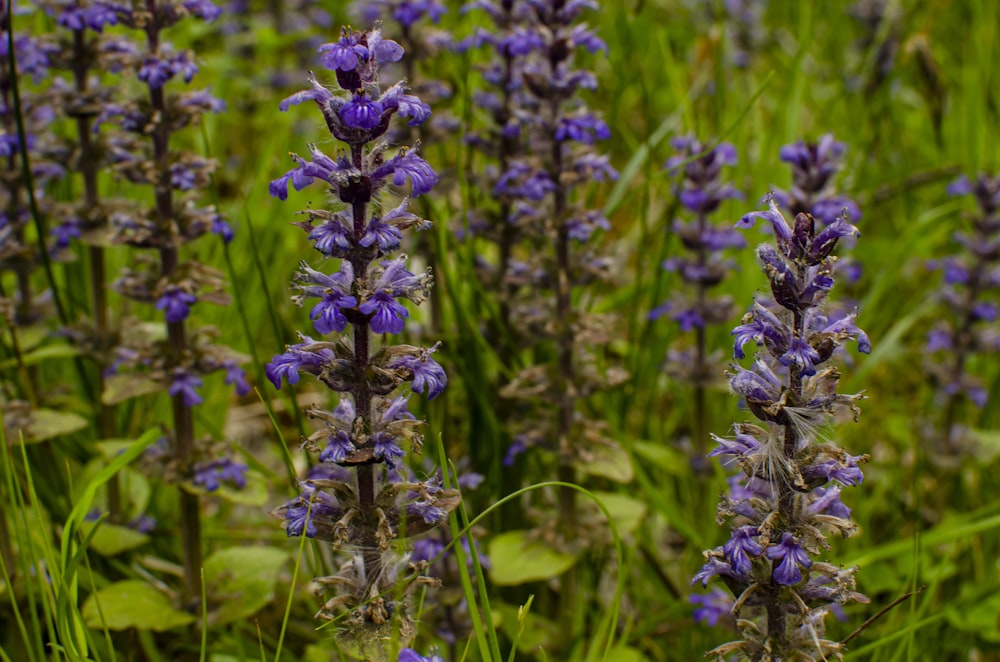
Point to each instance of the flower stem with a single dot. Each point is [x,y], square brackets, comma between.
[190,506]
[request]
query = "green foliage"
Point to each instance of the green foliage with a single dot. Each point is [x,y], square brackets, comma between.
[517,559]
[133,604]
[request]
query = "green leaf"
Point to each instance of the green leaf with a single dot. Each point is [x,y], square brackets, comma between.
[119,388]
[515,559]
[42,354]
[134,485]
[242,579]
[979,616]
[133,604]
[111,539]
[664,457]
[48,423]
[626,512]
[608,460]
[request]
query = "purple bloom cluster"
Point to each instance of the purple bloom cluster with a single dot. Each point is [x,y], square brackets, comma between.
[969,279]
[17,255]
[814,165]
[134,137]
[789,499]
[540,136]
[363,295]
[700,190]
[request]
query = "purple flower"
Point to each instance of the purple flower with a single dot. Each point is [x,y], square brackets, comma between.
[337,448]
[214,473]
[712,568]
[582,128]
[845,472]
[410,655]
[316,92]
[388,315]
[387,236]
[344,54]
[740,445]
[331,237]
[184,385]
[236,377]
[203,9]
[828,502]
[427,511]
[791,557]
[517,446]
[800,353]
[427,374]
[361,113]
[406,105]
[222,228]
[155,72]
[302,513]
[386,448]
[740,547]
[714,605]
[176,303]
[295,359]
[408,165]
[333,292]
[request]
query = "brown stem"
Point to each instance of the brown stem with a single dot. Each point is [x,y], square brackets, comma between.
[508,233]
[87,166]
[776,627]
[190,505]
[359,259]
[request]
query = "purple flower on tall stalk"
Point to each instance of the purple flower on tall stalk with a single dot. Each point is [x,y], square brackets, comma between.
[18,253]
[970,278]
[365,295]
[789,499]
[701,190]
[539,136]
[135,137]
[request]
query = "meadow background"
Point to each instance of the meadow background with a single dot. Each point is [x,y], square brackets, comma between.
[915,97]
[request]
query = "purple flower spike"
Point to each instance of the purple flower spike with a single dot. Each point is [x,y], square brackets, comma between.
[791,557]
